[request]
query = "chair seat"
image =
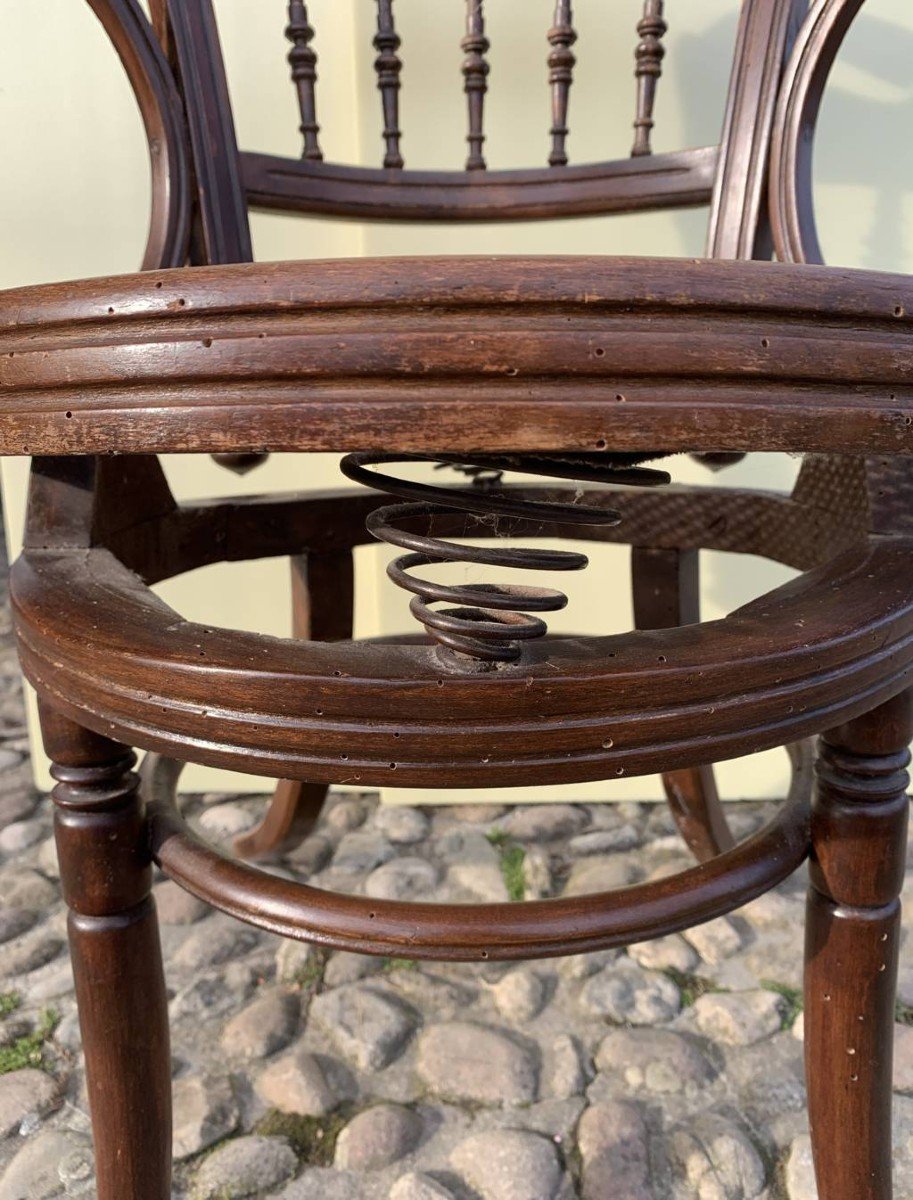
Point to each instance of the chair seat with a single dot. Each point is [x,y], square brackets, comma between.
[817,650]
[509,354]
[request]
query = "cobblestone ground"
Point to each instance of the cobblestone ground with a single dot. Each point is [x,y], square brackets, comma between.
[670,1070]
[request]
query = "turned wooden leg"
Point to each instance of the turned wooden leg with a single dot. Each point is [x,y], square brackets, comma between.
[859,823]
[666,586]
[106,877]
[323,591]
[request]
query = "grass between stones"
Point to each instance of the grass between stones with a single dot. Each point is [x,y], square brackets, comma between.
[691,986]
[400,964]
[312,1138]
[9,1002]
[28,1050]
[511,857]
[310,976]
[793,998]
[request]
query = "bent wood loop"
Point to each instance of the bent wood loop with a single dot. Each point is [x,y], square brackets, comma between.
[160,107]
[484,931]
[791,196]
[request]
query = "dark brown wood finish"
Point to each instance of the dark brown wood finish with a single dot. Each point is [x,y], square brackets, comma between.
[105,872]
[792,206]
[221,208]
[159,103]
[303,61]
[323,595]
[474,932]
[859,829]
[523,355]
[561,62]
[644,181]
[475,46]
[588,709]
[666,586]
[679,180]
[648,58]
[600,360]
[388,66]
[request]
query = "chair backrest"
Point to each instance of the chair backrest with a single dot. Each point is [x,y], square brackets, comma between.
[729,177]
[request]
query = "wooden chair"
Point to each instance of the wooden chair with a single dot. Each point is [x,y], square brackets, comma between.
[229,181]
[569,368]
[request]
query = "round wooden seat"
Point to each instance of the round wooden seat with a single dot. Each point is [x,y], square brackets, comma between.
[461,354]
[818,650]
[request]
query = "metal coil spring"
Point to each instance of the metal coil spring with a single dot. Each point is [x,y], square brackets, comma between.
[490,621]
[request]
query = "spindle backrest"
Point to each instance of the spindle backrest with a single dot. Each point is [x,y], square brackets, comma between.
[730,177]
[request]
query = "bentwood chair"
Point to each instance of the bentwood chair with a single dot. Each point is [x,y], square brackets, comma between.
[575,369]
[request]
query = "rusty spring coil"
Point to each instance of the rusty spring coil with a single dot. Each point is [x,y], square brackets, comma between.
[489,621]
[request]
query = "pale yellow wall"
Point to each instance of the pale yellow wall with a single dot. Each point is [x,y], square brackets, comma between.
[74,203]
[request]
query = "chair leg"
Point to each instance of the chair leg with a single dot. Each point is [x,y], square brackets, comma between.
[859,826]
[117,962]
[666,587]
[696,809]
[292,814]
[323,591]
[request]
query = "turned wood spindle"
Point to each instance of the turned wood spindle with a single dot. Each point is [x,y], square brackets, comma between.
[648,59]
[303,61]
[388,66]
[561,62]
[106,878]
[475,46]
